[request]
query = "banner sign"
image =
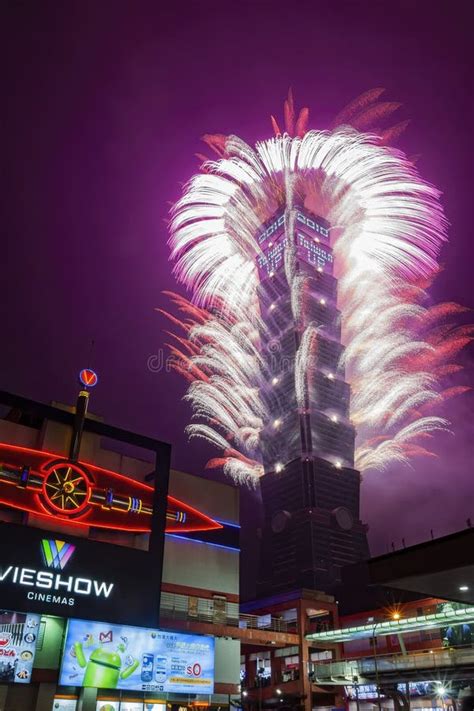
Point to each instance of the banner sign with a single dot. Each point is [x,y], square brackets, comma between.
[18,635]
[97,654]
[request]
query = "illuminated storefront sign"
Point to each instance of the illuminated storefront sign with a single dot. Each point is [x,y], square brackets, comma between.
[59,584]
[73,576]
[105,656]
[18,635]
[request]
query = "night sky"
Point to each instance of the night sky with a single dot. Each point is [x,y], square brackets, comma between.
[105,103]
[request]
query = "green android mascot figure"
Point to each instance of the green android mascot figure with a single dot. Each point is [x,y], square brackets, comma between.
[103,670]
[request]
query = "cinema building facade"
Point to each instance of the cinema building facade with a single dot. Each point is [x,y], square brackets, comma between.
[119,579]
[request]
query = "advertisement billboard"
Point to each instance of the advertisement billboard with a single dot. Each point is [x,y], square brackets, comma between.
[18,635]
[57,574]
[105,656]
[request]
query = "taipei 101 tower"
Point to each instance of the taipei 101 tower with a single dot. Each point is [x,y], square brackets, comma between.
[310,489]
[305,257]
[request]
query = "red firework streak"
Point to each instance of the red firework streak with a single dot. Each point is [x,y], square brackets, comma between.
[83,494]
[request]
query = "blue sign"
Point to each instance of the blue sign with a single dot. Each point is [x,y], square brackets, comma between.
[105,656]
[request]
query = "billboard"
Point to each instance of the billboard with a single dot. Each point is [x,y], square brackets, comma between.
[57,574]
[18,635]
[105,656]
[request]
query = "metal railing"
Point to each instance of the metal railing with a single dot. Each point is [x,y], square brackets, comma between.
[402,625]
[342,672]
[184,607]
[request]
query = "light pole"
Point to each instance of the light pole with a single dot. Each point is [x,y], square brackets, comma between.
[356,686]
[374,647]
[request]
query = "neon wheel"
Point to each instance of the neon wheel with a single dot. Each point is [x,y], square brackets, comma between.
[66,488]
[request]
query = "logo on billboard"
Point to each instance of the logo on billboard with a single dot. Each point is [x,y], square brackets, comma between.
[56,554]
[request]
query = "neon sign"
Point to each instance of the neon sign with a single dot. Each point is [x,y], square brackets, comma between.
[86,495]
[88,378]
[44,580]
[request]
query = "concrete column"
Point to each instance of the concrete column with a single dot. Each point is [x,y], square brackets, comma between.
[44,700]
[87,700]
[3,696]
[305,684]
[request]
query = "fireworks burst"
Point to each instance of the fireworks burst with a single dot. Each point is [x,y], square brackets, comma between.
[387,231]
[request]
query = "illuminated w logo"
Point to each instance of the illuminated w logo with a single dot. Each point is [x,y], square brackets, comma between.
[56,554]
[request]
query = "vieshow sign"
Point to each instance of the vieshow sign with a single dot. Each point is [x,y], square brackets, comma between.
[45,572]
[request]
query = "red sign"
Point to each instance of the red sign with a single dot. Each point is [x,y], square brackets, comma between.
[88,377]
[86,495]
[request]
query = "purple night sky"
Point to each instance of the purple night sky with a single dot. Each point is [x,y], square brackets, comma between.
[105,105]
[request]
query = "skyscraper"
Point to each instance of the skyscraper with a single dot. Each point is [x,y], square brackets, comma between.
[255,237]
[310,489]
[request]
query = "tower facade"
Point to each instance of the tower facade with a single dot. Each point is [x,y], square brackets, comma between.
[310,489]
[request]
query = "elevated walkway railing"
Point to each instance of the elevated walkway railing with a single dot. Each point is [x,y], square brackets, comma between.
[175,606]
[366,668]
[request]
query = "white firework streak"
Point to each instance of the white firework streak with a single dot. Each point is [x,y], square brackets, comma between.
[305,363]
[388,228]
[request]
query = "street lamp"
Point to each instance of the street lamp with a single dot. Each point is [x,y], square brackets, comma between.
[441,692]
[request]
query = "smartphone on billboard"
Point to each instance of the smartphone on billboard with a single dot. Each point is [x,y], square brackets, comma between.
[161,672]
[147,667]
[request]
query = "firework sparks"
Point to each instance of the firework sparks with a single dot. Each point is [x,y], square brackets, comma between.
[388,228]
